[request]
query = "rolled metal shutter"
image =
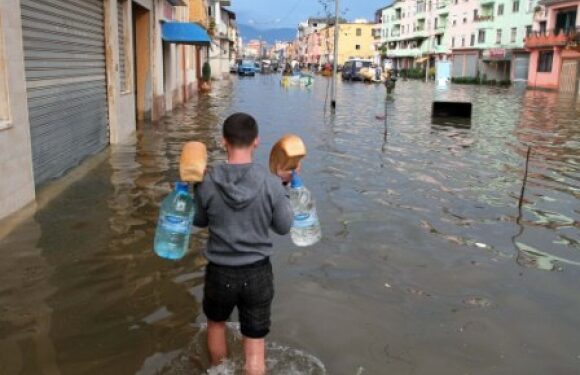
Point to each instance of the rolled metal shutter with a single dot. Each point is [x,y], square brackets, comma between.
[64,56]
[522,63]
[471,66]
[458,65]
[568,76]
[121,25]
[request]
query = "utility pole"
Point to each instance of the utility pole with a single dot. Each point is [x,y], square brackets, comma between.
[428,62]
[335,65]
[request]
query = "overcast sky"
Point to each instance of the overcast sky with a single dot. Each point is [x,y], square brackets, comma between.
[277,13]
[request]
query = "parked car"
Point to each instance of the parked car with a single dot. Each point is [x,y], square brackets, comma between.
[351,69]
[246,68]
[234,68]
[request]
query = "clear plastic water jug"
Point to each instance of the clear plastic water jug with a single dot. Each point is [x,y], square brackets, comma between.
[306,226]
[174,225]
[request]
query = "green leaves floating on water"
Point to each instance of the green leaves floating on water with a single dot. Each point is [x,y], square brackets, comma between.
[533,258]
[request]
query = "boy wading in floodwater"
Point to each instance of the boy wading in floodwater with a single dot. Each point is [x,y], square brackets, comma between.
[240,202]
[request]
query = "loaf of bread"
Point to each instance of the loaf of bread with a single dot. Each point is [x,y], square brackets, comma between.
[287,153]
[193,162]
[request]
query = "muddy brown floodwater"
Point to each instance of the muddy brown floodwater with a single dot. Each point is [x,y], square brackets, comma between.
[426,266]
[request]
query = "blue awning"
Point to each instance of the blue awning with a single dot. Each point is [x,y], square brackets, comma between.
[184,33]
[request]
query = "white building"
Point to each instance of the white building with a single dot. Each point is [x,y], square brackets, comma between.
[223,52]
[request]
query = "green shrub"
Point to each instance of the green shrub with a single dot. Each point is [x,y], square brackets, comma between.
[413,73]
[466,80]
[206,72]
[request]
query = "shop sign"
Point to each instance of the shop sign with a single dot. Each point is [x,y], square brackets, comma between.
[497,54]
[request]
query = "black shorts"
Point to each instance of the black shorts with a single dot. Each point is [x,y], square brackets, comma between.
[249,288]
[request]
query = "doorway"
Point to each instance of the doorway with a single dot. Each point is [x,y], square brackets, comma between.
[141,61]
[569,76]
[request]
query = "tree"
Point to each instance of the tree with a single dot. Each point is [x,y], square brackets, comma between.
[206,72]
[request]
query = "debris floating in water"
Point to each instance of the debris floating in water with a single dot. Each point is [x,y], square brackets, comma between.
[477,302]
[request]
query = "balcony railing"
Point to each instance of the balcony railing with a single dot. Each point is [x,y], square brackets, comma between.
[549,38]
[404,52]
[483,18]
[420,32]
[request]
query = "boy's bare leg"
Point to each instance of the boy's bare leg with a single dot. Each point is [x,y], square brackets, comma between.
[255,354]
[216,342]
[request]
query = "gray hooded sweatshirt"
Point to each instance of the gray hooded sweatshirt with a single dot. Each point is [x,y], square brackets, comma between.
[240,203]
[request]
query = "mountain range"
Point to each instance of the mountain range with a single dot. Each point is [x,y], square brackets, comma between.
[270,36]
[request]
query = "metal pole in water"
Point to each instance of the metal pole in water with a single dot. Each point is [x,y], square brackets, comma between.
[521,202]
[335,64]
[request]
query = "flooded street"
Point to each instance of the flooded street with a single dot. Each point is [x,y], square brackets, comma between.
[426,265]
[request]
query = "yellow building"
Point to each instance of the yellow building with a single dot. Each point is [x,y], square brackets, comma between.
[198,12]
[356,40]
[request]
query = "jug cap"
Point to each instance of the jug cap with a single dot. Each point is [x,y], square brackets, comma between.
[296,181]
[181,187]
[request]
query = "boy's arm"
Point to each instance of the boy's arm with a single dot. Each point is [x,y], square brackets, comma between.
[282,213]
[200,218]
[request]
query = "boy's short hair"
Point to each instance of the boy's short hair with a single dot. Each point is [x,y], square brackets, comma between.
[240,130]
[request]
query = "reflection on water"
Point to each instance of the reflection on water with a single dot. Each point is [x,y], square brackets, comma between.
[427,265]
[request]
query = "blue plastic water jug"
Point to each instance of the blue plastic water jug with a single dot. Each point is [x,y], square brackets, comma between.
[174,225]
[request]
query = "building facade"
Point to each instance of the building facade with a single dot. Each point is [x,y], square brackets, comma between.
[554,46]
[356,40]
[222,28]
[414,32]
[495,32]
[78,76]
[483,38]
[254,48]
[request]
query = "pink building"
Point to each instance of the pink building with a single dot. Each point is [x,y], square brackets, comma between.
[462,25]
[555,46]
[253,48]
[313,48]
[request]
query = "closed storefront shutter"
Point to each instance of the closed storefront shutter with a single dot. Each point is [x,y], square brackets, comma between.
[458,61]
[522,62]
[64,52]
[121,23]
[471,66]
[569,76]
